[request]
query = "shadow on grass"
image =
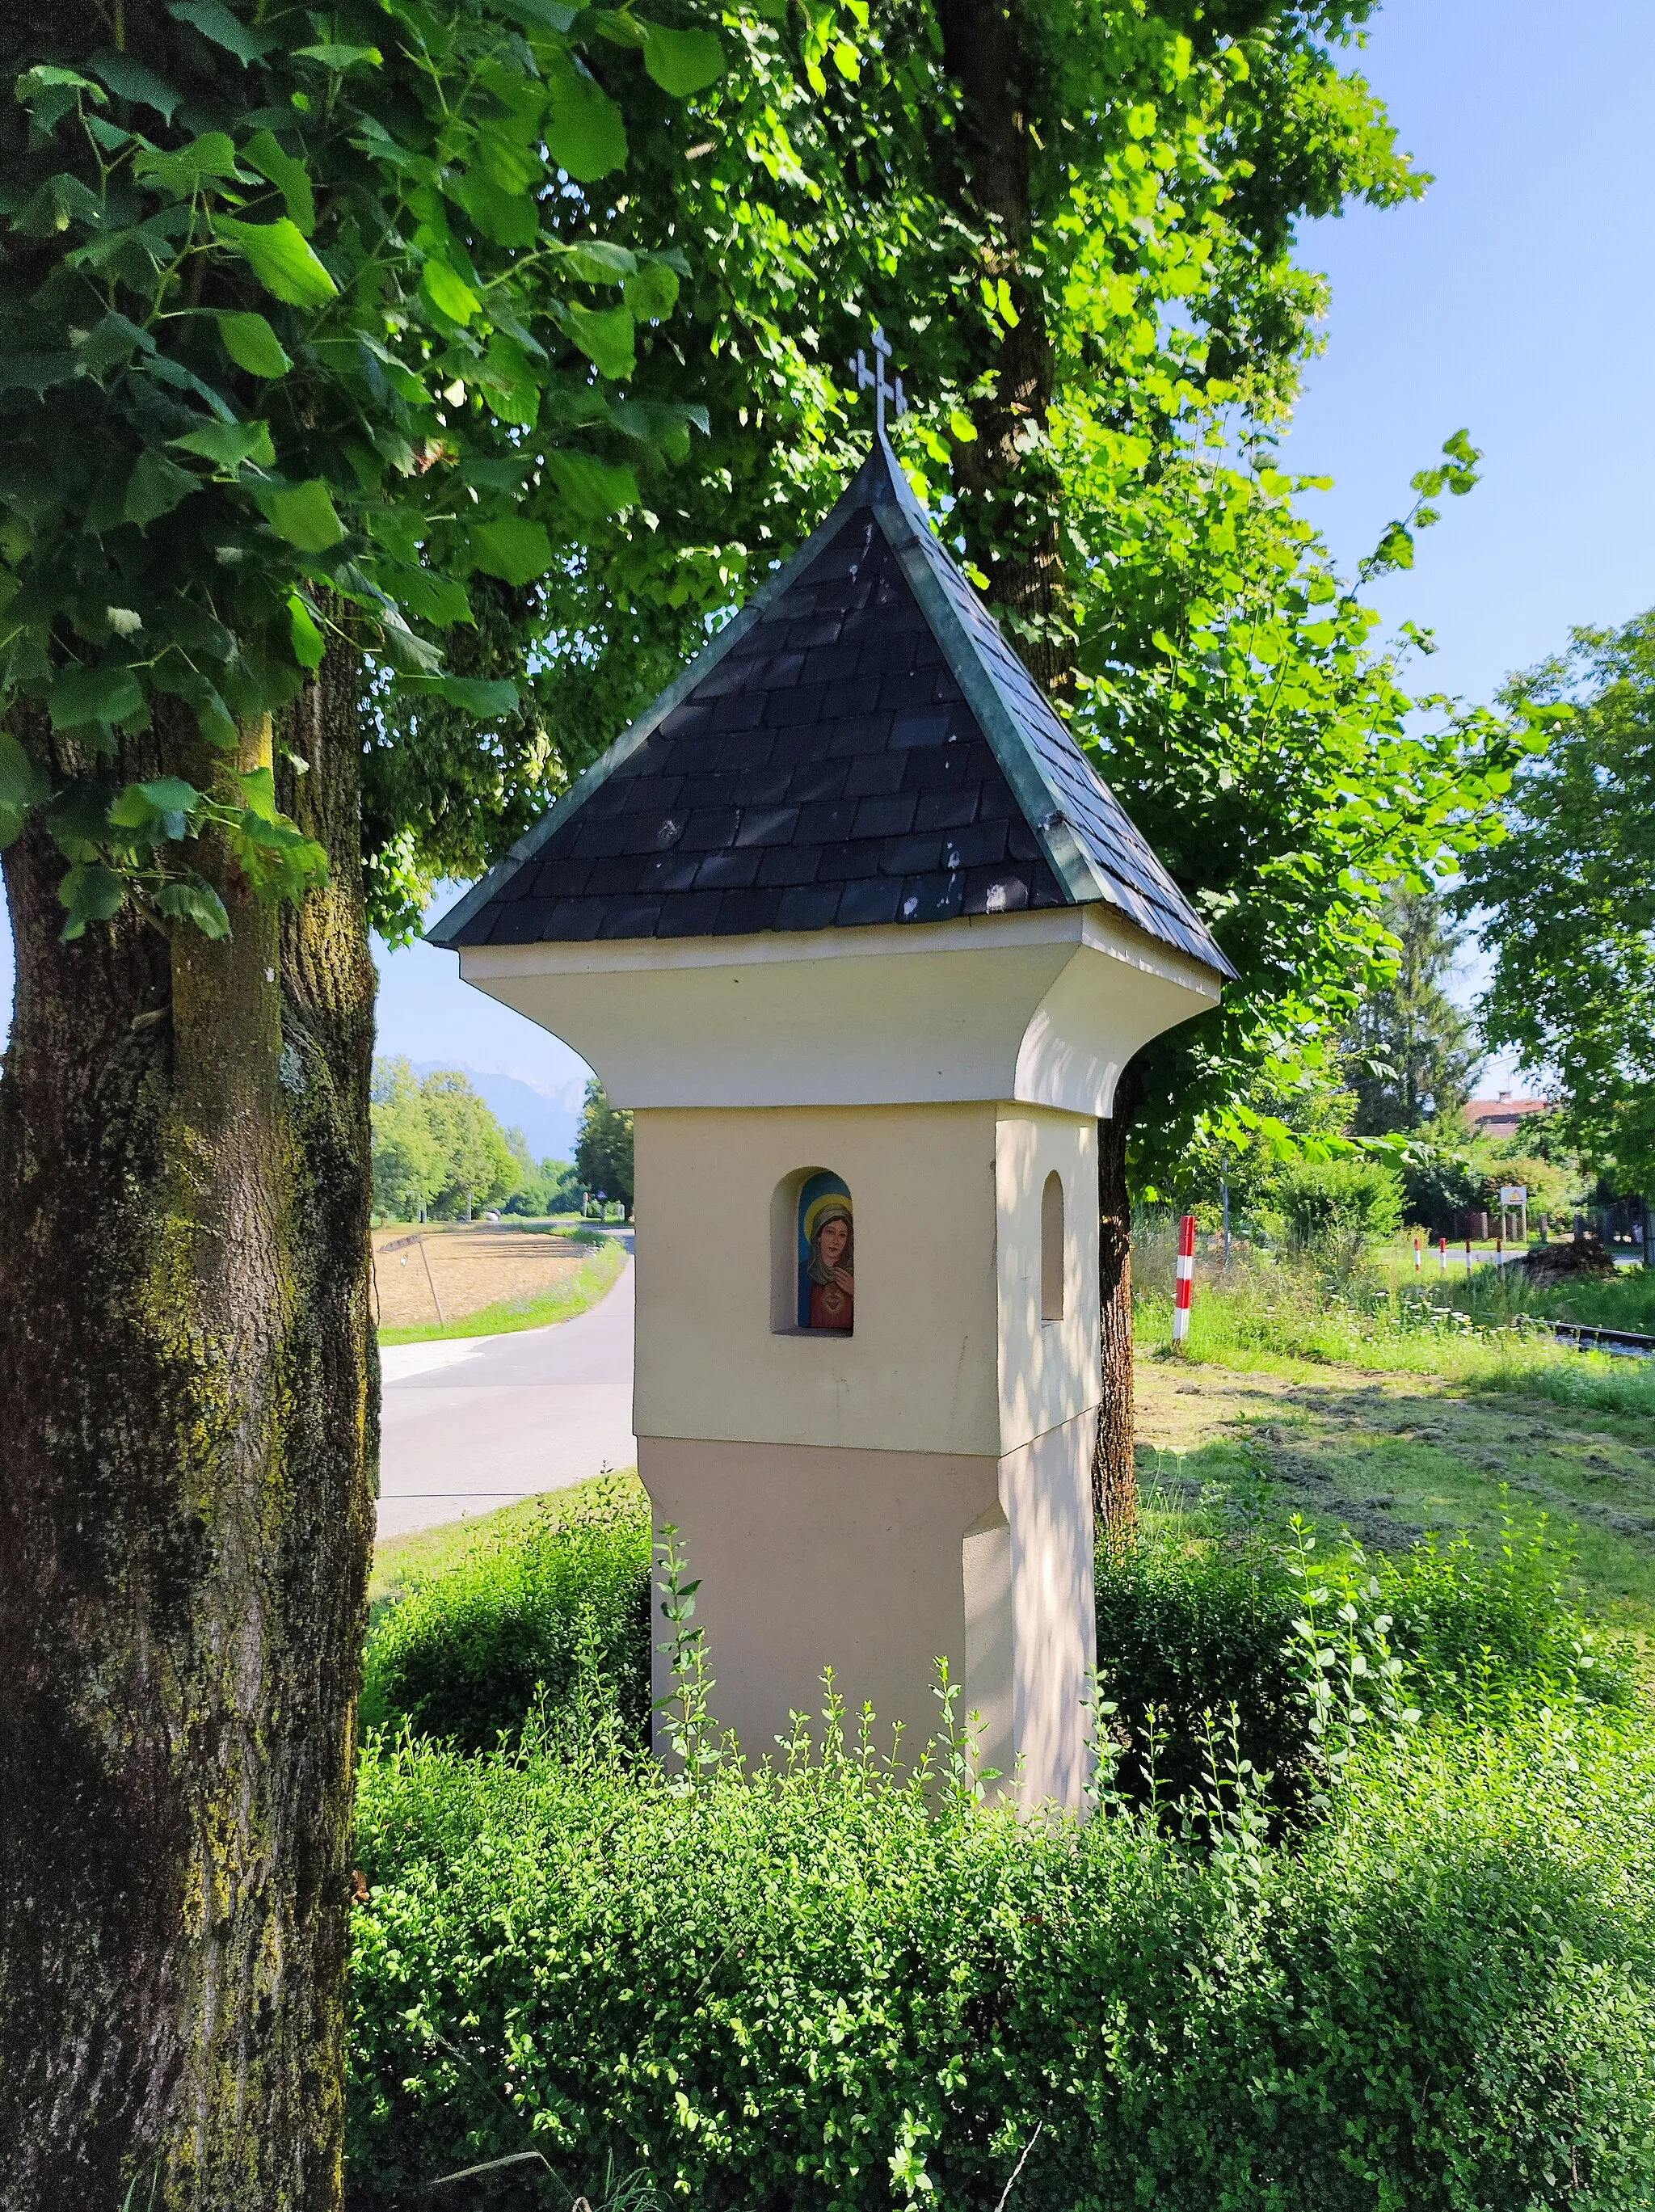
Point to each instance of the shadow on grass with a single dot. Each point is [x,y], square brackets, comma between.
[1391,1458]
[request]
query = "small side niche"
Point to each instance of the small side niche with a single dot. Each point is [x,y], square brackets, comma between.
[812,1255]
[1052,1270]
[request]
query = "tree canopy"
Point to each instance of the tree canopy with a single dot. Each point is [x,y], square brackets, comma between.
[1097,305]
[1567,899]
[602,1147]
[438,1147]
[290,353]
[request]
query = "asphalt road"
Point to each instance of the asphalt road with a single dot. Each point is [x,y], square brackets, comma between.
[476,1423]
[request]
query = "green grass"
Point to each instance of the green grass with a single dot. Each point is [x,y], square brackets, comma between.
[597,1277]
[1281,1320]
[403,1563]
[1624,1299]
[1429,1983]
[1289,1399]
[1426,1979]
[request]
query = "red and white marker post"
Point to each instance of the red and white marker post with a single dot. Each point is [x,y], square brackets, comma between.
[1418,1262]
[1185,1285]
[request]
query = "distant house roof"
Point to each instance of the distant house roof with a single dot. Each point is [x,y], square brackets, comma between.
[860,745]
[1504,1112]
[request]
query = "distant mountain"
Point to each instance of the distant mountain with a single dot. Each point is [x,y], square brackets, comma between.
[549,1119]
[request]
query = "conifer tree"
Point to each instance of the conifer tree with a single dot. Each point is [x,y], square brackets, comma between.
[1411,1053]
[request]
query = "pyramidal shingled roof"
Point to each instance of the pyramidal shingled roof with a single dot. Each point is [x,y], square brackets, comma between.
[859,745]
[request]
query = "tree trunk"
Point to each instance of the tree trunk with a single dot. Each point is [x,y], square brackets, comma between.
[1005,481]
[190,1393]
[1114,1468]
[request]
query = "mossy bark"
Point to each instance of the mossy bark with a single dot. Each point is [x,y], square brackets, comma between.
[189,1388]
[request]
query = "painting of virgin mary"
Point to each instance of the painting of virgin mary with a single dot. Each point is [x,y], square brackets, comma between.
[827,1289]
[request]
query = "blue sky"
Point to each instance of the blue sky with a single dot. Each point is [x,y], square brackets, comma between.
[1514,301]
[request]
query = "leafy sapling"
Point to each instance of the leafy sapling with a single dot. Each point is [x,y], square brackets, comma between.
[1340,1642]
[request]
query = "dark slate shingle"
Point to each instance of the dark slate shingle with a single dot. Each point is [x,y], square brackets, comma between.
[861,747]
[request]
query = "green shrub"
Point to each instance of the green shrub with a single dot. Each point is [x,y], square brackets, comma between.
[836,1988]
[1193,1626]
[465,1655]
[1336,1209]
[1188,1627]
[833,1991]
[1482,1635]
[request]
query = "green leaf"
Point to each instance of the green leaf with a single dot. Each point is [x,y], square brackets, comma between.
[511,384]
[439,600]
[181,170]
[309,646]
[258,788]
[155,486]
[92,893]
[49,92]
[281,259]
[548,14]
[487,701]
[22,785]
[305,516]
[290,178]
[591,489]
[45,74]
[82,696]
[509,218]
[652,294]
[515,551]
[681,62]
[596,261]
[253,345]
[187,898]
[585,134]
[448,292]
[409,652]
[36,372]
[230,444]
[341,58]
[129,80]
[162,809]
[58,202]
[110,343]
[185,380]
[215,21]
[605,337]
[616,25]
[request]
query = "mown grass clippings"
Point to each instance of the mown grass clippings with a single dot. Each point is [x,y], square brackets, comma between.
[1394,1458]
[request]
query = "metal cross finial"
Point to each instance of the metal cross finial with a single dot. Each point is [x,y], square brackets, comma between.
[876,377]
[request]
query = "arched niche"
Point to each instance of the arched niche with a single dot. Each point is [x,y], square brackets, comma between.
[1054,1271]
[812,1254]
